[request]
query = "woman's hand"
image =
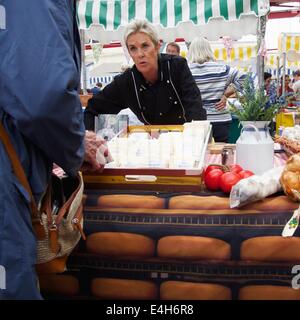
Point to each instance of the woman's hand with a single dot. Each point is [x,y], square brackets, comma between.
[222,103]
[95,152]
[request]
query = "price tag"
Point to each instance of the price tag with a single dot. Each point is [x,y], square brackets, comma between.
[292,224]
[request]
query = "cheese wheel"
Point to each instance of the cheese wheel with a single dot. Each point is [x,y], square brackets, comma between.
[274,248]
[120,244]
[180,290]
[123,289]
[130,201]
[193,248]
[267,292]
[60,284]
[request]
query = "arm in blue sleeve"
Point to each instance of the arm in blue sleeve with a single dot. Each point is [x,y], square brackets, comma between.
[39,78]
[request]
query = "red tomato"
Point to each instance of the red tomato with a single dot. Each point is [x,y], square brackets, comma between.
[235,168]
[246,173]
[210,168]
[228,180]
[212,179]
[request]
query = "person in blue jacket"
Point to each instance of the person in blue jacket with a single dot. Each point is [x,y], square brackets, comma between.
[41,111]
[97,88]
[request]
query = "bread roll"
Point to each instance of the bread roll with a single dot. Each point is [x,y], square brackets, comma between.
[268,292]
[199,202]
[193,248]
[274,248]
[123,289]
[130,201]
[120,244]
[60,284]
[180,290]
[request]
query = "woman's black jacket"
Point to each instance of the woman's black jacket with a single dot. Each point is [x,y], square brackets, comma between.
[173,99]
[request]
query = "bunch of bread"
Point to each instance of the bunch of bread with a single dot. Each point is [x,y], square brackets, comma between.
[293,146]
[290,178]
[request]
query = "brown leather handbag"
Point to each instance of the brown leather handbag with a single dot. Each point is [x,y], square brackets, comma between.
[57,220]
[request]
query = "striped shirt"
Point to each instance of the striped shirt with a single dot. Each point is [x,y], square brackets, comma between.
[213,78]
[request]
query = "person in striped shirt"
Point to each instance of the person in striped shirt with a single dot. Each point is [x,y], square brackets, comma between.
[216,82]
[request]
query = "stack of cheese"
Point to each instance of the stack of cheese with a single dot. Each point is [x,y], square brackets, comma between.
[292,133]
[161,148]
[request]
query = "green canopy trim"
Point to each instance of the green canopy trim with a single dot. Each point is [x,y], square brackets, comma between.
[112,14]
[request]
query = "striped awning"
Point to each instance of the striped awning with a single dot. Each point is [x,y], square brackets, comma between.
[102,79]
[105,19]
[289,41]
[271,61]
[241,52]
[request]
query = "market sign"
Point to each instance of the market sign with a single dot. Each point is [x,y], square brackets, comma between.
[174,18]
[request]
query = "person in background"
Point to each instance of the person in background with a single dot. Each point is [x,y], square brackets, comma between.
[159,88]
[287,88]
[296,86]
[44,122]
[173,48]
[98,87]
[216,82]
[270,88]
[286,98]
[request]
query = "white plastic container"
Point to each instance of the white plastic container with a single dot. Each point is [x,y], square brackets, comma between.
[255,148]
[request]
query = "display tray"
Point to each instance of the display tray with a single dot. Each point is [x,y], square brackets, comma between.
[157,179]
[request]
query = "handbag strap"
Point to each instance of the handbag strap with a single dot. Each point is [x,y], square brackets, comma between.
[20,174]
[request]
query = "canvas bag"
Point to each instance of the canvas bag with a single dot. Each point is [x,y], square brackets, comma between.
[61,214]
[57,230]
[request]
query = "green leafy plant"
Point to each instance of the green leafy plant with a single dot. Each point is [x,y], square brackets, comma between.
[255,104]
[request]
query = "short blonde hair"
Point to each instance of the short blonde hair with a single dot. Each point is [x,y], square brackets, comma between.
[200,51]
[141,26]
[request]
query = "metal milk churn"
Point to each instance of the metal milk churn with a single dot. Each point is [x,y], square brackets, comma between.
[255,147]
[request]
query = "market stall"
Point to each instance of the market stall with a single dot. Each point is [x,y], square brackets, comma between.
[239,54]
[173,244]
[111,60]
[289,52]
[105,21]
[159,245]
[273,64]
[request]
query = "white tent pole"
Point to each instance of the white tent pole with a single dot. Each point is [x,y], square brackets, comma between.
[83,67]
[278,71]
[261,30]
[283,72]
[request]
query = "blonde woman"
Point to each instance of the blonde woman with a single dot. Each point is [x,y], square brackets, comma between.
[159,88]
[216,82]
